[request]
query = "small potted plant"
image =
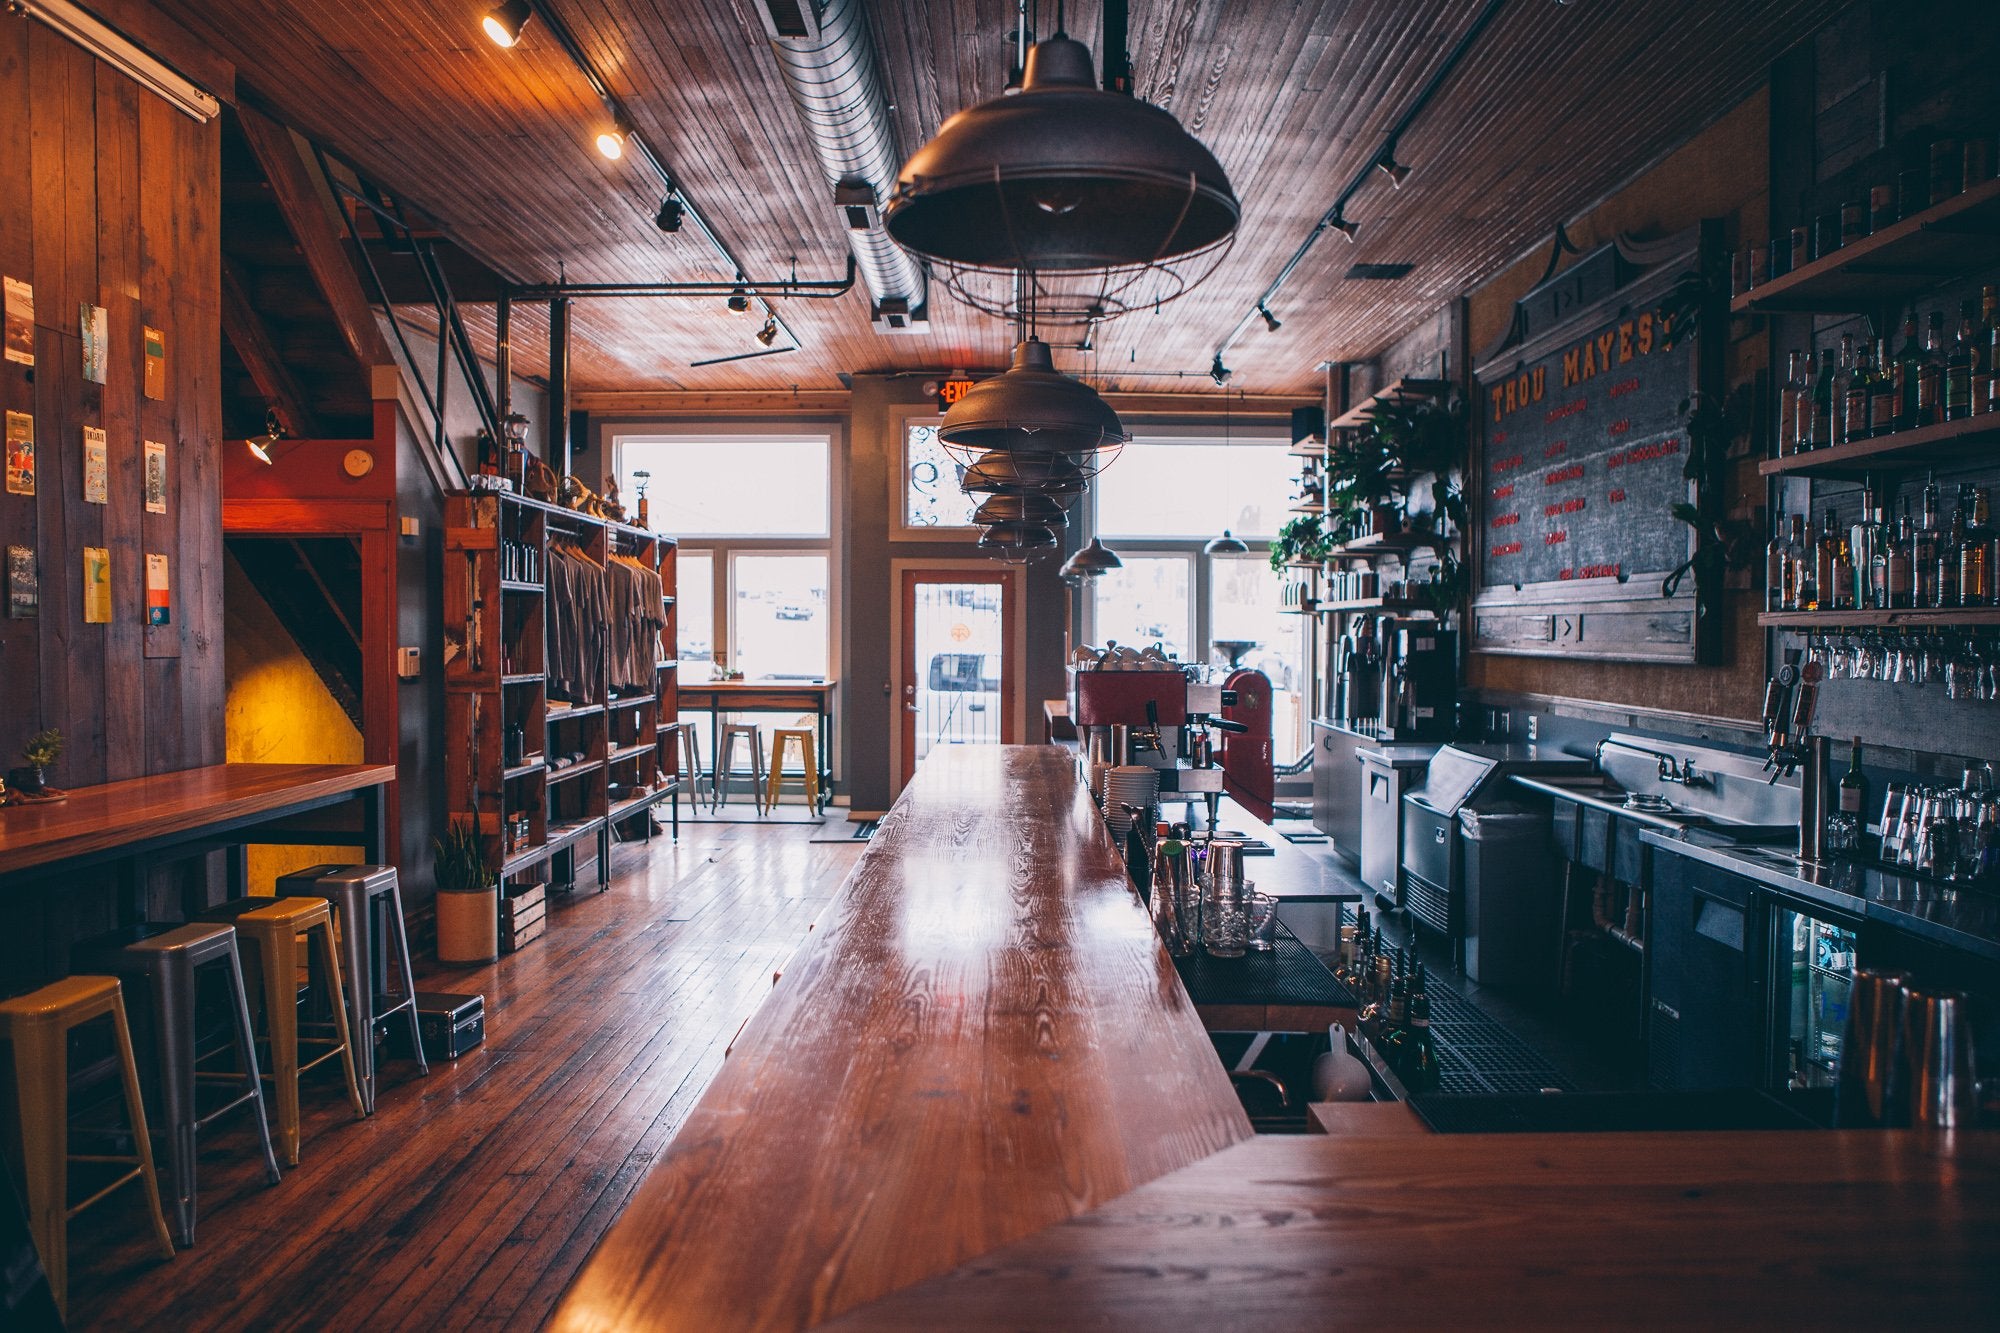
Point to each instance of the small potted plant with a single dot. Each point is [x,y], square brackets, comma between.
[38,757]
[468,906]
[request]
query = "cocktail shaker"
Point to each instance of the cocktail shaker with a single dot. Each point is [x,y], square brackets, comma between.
[1870,1049]
[1938,1060]
[1173,879]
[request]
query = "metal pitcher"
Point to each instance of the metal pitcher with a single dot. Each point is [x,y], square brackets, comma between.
[1870,1049]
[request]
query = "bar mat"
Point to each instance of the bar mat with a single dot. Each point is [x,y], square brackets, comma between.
[1289,974]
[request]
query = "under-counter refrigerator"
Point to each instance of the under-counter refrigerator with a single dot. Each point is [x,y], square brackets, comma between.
[1812,956]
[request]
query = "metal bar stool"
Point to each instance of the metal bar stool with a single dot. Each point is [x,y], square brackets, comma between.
[158,962]
[272,927]
[690,775]
[808,743]
[38,1025]
[368,909]
[725,764]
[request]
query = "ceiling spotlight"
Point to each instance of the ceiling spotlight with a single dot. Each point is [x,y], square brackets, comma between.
[671,212]
[1390,167]
[1348,229]
[611,142]
[1217,371]
[1227,544]
[769,333]
[504,24]
[261,445]
[739,301]
[1270,320]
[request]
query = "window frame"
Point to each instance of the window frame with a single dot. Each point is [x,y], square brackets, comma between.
[1257,434]
[740,435]
[900,530]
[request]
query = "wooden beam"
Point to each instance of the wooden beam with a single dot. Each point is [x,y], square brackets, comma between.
[244,328]
[318,239]
[649,402]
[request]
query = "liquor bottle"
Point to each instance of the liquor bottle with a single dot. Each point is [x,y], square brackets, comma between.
[1825,552]
[1930,375]
[1824,404]
[1958,370]
[1900,551]
[1777,569]
[1395,1028]
[1881,541]
[1807,577]
[1792,403]
[1853,799]
[1419,1071]
[1909,369]
[1843,566]
[1986,382]
[1946,592]
[1853,384]
[1861,545]
[1788,575]
[1975,572]
[1882,401]
[1923,554]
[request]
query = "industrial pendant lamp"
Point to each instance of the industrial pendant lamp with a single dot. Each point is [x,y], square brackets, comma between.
[1033,408]
[1227,544]
[998,472]
[1059,176]
[1091,561]
[1026,508]
[1063,203]
[1016,539]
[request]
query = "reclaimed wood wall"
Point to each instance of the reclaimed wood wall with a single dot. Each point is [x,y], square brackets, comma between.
[109,196]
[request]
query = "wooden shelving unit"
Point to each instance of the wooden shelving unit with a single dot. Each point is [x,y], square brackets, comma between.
[1960,235]
[1397,544]
[496,678]
[1409,389]
[1959,617]
[1942,445]
[1398,606]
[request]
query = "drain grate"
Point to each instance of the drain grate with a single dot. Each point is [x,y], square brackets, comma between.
[1478,1055]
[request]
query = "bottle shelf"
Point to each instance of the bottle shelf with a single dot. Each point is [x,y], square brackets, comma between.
[1895,618]
[1403,391]
[1945,443]
[1388,543]
[1958,236]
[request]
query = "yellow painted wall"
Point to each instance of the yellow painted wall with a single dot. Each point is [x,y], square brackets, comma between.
[277,712]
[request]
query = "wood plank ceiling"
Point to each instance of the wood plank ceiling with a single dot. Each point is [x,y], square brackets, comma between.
[1556,106]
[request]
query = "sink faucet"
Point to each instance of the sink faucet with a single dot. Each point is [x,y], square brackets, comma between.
[1681,771]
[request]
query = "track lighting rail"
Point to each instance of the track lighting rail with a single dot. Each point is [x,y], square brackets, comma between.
[810,289]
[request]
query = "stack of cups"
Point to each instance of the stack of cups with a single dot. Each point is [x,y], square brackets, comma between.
[1225,916]
[1128,785]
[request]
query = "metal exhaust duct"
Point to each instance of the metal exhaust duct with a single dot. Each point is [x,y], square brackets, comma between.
[828,61]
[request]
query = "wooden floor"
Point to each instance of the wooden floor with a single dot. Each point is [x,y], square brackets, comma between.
[471,1197]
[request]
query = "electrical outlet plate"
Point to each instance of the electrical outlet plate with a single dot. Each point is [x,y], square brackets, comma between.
[409,662]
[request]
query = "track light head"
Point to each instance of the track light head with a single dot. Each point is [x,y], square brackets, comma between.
[1271,321]
[260,446]
[769,333]
[1348,229]
[1217,371]
[671,212]
[739,301]
[611,142]
[504,24]
[1394,170]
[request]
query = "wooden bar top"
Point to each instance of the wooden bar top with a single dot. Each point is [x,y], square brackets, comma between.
[982,1037]
[1862,1228]
[136,810]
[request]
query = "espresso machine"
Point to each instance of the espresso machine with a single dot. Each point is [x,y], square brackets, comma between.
[1170,721]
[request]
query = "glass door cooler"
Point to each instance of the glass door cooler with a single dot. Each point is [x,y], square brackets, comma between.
[1813,956]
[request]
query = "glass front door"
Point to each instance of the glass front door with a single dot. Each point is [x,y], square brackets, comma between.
[1815,972]
[956,676]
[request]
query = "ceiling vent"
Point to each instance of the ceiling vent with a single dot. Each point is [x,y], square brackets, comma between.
[790,18]
[1379,272]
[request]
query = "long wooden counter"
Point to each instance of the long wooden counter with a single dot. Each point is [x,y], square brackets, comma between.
[121,818]
[1866,1228]
[982,1037]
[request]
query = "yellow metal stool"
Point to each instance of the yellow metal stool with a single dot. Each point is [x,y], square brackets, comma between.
[38,1025]
[808,760]
[273,927]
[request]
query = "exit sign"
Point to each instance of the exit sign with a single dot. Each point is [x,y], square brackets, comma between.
[951,390]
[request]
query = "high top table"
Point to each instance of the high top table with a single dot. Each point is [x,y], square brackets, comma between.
[137,821]
[765,696]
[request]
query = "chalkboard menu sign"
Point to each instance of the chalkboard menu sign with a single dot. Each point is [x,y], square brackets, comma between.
[1580,463]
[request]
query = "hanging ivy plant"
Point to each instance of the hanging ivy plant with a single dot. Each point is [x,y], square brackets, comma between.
[1304,538]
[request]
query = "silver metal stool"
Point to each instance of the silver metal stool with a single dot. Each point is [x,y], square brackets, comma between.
[725,760]
[368,903]
[159,962]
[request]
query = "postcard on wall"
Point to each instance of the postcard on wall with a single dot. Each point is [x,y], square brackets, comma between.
[159,599]
[96,585]
[156,477]
[96,467]
[20,453]
[96,324]
[20,321]
[156,363]
[24,586]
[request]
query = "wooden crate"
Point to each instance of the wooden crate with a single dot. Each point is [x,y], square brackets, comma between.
[523,917]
